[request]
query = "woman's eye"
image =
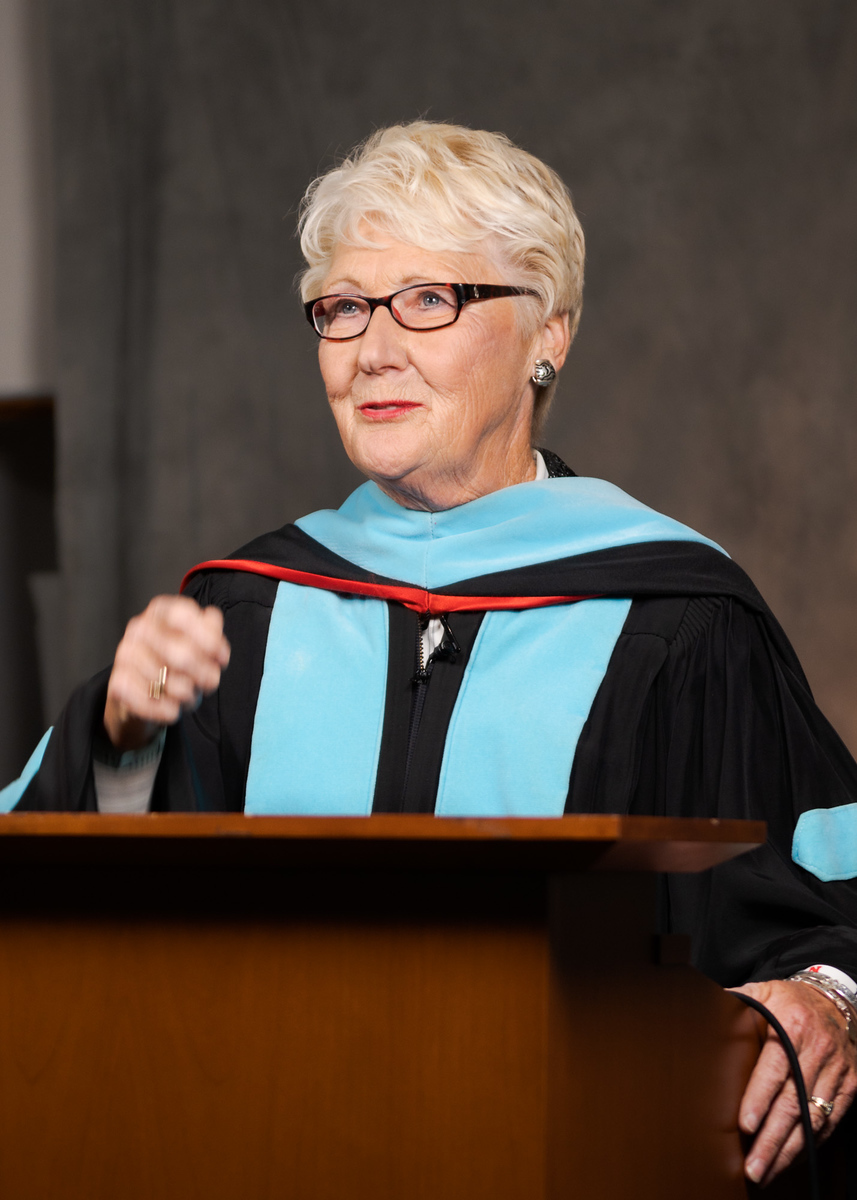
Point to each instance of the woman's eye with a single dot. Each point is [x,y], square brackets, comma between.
[345,308]
[432,300]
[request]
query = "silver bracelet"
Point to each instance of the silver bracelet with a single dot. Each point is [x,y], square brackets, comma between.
[831,989]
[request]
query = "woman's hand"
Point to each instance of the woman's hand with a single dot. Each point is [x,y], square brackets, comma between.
[175,641]
[828,1060]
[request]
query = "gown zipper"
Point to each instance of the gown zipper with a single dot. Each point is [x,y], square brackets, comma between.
[447,649]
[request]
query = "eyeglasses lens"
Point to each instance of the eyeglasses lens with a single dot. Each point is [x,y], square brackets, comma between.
[426,307]
[419,307]
[340,316]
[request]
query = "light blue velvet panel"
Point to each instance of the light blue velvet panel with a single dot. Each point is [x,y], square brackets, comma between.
[825,842]
[317,732]
[526,695]
[12,793]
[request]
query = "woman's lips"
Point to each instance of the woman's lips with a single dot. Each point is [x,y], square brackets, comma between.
[386,410]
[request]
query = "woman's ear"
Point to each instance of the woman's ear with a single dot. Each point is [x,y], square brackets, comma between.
[554,340]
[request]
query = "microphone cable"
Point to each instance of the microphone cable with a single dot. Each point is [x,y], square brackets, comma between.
[800,1086]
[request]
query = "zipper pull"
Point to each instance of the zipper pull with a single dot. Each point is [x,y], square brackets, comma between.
[449,647]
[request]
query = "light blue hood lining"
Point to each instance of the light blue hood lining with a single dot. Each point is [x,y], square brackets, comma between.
[518,526]
[825,842]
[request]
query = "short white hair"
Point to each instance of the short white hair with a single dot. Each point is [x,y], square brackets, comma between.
[449,188]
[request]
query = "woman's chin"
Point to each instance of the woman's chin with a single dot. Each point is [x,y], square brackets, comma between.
[388,454]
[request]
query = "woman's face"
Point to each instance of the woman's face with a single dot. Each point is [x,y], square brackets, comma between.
[435,418]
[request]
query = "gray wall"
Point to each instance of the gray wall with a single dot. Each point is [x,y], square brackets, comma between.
[26,372]
[712,151]
[26,304]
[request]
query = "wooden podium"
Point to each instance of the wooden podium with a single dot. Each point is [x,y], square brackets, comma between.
[223,1007]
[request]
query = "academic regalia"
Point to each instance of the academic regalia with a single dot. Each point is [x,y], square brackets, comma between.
[597,657]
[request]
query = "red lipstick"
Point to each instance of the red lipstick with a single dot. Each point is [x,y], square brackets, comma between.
[386,410]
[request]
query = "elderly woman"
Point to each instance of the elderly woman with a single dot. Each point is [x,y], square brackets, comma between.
[477,631]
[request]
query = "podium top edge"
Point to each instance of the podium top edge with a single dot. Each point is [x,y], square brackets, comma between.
[386,827]
[388,841]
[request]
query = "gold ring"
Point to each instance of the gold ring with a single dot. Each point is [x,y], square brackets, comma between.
[826,1106]
[158,686]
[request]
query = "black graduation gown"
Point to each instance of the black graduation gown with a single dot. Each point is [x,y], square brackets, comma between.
[704,711]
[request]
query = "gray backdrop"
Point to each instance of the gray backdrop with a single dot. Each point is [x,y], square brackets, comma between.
[712,151]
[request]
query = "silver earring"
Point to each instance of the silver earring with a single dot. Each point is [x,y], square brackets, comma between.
[544,373]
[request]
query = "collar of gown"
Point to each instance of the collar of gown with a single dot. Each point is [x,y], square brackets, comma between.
[519,526]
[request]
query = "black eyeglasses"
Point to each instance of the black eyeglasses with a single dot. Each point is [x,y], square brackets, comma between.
[423,306]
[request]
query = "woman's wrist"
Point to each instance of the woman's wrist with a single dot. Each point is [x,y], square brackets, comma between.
[107,755]
[125,731]
[835,991]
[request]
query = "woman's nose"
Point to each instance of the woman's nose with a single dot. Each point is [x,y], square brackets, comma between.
[383,344]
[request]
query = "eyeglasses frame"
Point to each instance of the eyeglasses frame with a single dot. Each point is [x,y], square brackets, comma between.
[465,292]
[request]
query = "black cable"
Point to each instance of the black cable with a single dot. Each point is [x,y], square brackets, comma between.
[800,1086]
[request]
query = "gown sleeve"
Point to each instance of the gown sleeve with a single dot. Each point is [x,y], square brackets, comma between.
[725,726]
[63,781]
[205,758]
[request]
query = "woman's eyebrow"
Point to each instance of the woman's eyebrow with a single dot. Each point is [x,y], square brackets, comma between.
[353,285]
[348,284]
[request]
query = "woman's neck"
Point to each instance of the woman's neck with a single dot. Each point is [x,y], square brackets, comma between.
[437,491]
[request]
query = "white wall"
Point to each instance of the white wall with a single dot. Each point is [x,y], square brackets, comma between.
[26,301]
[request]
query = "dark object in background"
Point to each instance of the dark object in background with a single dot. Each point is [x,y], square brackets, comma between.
[27,545]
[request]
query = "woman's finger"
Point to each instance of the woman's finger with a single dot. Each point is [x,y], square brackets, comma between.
[780,1127]
[836,1085]
[197,648]
[194,647]
[767,1081]
[134,694]
[171,655]
[180,655]
[827,1088]
[150,687]
[781,1138]
[181,615]
[784,1157]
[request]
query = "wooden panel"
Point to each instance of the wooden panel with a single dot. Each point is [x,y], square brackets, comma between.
[647,1062]
[653,1075]
[197,1060]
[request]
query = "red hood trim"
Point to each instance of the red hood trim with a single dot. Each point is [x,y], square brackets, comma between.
[417,599]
